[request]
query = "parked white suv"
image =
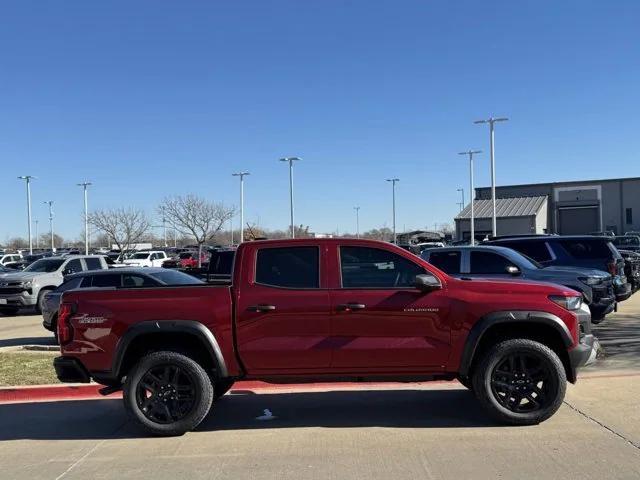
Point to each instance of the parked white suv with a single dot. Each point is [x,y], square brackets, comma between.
[151,258]
[9,259]
[28,287]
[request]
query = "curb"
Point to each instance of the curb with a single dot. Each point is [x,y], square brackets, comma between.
[55,393]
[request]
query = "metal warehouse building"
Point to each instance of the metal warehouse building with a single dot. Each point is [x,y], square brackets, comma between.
[561,207]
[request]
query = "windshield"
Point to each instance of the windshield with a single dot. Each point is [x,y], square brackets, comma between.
[171,277]
[532,261]
[45,265]
[140,256]
[626,241]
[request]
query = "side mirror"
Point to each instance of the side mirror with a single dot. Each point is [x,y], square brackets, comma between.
[67,271]
[513,270]
[427,283]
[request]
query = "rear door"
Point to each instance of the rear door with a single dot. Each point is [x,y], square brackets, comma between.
[380,321]
[282,311]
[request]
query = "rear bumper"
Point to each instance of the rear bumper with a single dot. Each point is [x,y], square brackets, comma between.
[70,370]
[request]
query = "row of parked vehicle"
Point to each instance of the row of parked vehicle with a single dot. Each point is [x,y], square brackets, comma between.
[596,266]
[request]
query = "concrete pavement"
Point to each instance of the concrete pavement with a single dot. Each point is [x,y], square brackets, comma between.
[24,330]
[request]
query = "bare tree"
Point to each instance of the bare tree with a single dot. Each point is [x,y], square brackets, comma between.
[125,227]
[195,216]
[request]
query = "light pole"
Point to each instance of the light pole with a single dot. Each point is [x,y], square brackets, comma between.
[27,179]
[84,185]
[357,209]
[241,175]
[50,203]
[164,226]
[37,239]
[491,121]
[393,188]
[291,160]
[461,190]
[471,153]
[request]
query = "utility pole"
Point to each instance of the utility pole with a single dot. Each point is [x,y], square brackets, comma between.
[27,179]
[50,203]
[357,209]
[393,188]
[461,190]
[37,239]
[241,175]
[84,186]
[491,121]
[291,160]
[164,226]
[471,153]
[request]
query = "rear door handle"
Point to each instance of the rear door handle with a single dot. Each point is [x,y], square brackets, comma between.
[262,308]
[347,307]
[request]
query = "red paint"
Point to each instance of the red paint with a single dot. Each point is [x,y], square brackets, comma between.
[400,331]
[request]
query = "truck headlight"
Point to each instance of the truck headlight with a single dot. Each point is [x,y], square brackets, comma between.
[591,280]
[568,303]
[26,284]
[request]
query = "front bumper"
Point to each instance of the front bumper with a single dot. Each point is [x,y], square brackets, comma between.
[584,353]
[622,289]
[70,370]
[19,299]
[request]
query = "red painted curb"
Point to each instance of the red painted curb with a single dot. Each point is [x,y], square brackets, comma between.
[47,393]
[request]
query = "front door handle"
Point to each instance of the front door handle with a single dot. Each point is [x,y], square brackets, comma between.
[262,308]
[347,307]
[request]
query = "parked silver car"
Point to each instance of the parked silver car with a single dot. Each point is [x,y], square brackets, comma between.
[28,287]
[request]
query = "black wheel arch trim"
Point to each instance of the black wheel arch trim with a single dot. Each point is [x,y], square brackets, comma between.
[485,323]
[191,327]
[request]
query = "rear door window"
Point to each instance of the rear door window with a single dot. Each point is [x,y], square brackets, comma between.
[537,250]
[588,248]
[93,263]
[292,267]
[488,263]
[110,280]
[448,262]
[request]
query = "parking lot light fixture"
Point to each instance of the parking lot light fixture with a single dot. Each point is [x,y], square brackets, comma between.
[357,209]
[50,203]
[393,189]
[291,160]
[491,121]
[27,179]
[37,239]
[461,190]
[471,153]
[241,175]
[84,185]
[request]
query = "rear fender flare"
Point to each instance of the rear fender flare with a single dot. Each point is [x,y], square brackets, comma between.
[191,327]
[485,323]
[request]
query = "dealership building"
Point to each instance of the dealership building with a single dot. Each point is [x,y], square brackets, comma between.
[562,207]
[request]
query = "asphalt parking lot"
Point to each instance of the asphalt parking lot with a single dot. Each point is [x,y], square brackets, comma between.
[370,431]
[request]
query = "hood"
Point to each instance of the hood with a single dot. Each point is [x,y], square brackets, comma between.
[21,276]
[578,271]
[506,287]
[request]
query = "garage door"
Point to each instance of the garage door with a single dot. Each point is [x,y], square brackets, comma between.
[578,220]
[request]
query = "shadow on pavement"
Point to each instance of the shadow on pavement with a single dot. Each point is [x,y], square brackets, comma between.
[99,419]
[15,342]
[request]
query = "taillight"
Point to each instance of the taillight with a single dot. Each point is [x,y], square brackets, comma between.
[613,267]
[64,328]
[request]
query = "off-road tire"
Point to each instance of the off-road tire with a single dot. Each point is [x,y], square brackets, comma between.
[486,377]
[191,370]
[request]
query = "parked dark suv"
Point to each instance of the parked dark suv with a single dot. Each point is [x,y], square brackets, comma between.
[486,261]
[573,251]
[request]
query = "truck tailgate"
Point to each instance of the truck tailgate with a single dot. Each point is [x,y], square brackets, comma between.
[102,317]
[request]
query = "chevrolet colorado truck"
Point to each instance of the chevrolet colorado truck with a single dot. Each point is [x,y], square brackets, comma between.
[325,310]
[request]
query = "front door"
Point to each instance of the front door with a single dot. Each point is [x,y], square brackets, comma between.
[380,321]
[283,316]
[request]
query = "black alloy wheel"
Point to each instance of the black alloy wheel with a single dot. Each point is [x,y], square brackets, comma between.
[166,394]
[523,382]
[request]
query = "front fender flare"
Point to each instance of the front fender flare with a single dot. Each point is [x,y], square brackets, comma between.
[482,326]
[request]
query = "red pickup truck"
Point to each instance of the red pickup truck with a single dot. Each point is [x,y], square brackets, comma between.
[331,310]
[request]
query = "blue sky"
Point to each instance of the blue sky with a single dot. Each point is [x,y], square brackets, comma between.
[151,98]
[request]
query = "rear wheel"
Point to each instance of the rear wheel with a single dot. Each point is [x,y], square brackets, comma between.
[520,382]
[168,393]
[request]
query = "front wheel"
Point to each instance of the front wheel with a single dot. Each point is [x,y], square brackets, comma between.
[168,393]
[520,382]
